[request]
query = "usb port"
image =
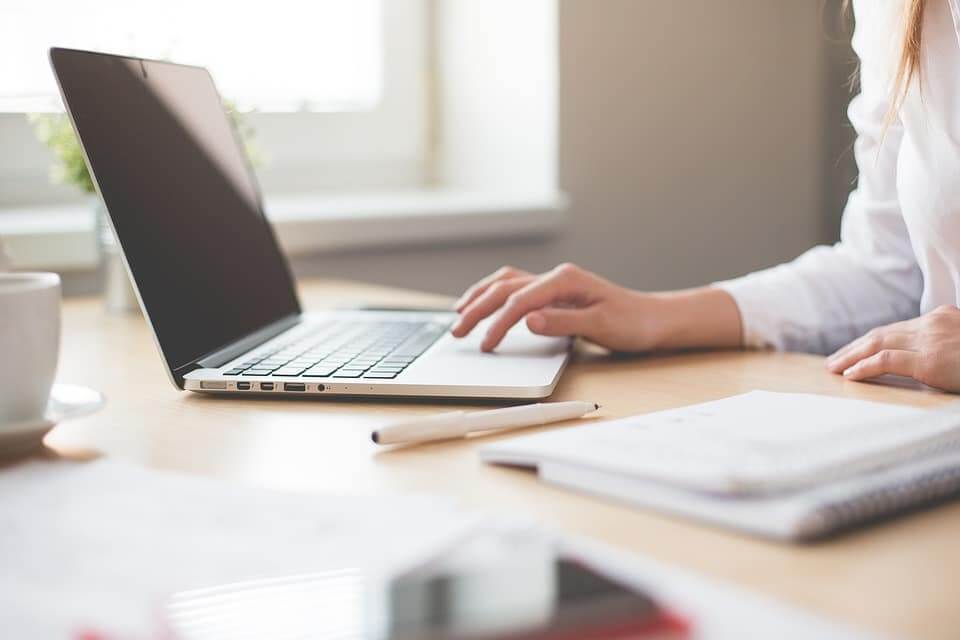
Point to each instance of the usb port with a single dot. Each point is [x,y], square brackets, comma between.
[243,386]
[266,386]
[294,386]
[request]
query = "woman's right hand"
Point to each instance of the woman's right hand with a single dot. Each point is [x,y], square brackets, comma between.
[570,301]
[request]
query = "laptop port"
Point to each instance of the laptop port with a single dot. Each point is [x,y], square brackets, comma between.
[243,386]
[294,386]
[266,386]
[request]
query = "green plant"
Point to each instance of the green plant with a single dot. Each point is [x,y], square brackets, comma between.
[55,131]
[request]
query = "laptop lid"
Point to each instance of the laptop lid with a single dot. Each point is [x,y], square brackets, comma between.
[182,199]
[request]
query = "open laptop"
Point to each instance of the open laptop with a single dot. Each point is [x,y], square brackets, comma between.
[211,280]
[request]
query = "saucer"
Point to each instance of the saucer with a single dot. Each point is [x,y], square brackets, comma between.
[66,401]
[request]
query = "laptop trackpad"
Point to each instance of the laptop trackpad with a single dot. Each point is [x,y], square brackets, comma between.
[522,359]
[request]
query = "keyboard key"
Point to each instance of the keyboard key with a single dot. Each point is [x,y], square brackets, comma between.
[233,372]
[381,375]
[358,367]
[348,373]
[257,372]
[319,372]
[289,371]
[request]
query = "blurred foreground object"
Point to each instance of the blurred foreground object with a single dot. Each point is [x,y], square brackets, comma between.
[4,259]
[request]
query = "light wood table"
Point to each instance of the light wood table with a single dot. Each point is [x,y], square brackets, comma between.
[902,577]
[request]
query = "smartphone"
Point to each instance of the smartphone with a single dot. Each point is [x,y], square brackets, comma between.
[530,598]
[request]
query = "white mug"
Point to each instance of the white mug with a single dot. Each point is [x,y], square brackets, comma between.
[29,344]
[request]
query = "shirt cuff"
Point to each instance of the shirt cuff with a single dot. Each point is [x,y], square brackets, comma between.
[761,330]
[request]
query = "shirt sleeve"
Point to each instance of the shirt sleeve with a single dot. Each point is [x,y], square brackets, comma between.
[832,295]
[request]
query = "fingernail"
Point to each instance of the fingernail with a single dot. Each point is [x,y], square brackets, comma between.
[536,322]
[486,344]
[848,371]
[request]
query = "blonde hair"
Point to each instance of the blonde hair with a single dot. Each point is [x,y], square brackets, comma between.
[908,66]
[908,63]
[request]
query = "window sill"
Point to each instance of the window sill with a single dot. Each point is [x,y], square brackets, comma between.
[61,237]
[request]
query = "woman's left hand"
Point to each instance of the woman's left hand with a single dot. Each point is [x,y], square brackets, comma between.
[926,349]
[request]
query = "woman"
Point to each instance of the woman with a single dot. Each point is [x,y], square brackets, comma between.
[883,300]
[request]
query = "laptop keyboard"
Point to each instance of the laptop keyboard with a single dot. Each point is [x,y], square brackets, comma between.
[347,349]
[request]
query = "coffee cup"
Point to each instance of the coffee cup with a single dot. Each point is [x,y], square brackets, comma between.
[29,344]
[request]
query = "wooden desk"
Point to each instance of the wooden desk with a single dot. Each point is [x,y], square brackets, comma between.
[899,578]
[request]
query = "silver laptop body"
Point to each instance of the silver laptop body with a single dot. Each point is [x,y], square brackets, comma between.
[210,277]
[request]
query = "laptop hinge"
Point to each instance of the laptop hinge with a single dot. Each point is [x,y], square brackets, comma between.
[222,356]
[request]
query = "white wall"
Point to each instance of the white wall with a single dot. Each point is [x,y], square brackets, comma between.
[494,71]
[691,144]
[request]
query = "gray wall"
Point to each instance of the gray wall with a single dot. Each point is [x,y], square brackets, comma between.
[698,140]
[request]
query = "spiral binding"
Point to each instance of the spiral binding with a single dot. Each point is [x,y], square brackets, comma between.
[921,490]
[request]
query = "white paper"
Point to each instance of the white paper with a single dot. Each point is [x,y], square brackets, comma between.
[746,442]
[103,546]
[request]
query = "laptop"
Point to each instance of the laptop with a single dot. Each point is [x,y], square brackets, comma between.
[211,279]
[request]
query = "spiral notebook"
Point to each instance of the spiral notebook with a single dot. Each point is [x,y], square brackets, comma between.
[785,466]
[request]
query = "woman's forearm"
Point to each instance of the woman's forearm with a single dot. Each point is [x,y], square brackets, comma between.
[704,317]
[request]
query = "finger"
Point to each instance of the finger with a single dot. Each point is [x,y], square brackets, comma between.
[560,322]
[867,346]
[905,326]
[538,294]
[894,361]
[486,303]
[471,294]
[844,352]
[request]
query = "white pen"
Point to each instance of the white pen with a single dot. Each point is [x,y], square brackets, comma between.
[457,424]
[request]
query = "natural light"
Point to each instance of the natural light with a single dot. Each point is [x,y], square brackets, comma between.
[322,55]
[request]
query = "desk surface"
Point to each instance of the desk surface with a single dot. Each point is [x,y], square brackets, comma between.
[898,578]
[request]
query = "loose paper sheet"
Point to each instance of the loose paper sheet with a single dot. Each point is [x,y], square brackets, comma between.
[103,545]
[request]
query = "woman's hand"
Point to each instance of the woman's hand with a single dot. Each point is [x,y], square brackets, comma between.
[570,301]
[926,349]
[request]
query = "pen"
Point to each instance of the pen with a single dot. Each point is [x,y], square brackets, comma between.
[458,424]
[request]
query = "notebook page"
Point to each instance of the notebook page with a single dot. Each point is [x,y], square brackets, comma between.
[756,441]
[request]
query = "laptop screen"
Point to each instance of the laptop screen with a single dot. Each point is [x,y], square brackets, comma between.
[182,199]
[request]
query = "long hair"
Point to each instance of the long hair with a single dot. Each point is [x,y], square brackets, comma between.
[908,63]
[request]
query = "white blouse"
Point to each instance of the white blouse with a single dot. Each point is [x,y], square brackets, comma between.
[899,253]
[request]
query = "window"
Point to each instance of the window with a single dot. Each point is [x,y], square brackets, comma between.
[337,87]
[380,122]
[323,55]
